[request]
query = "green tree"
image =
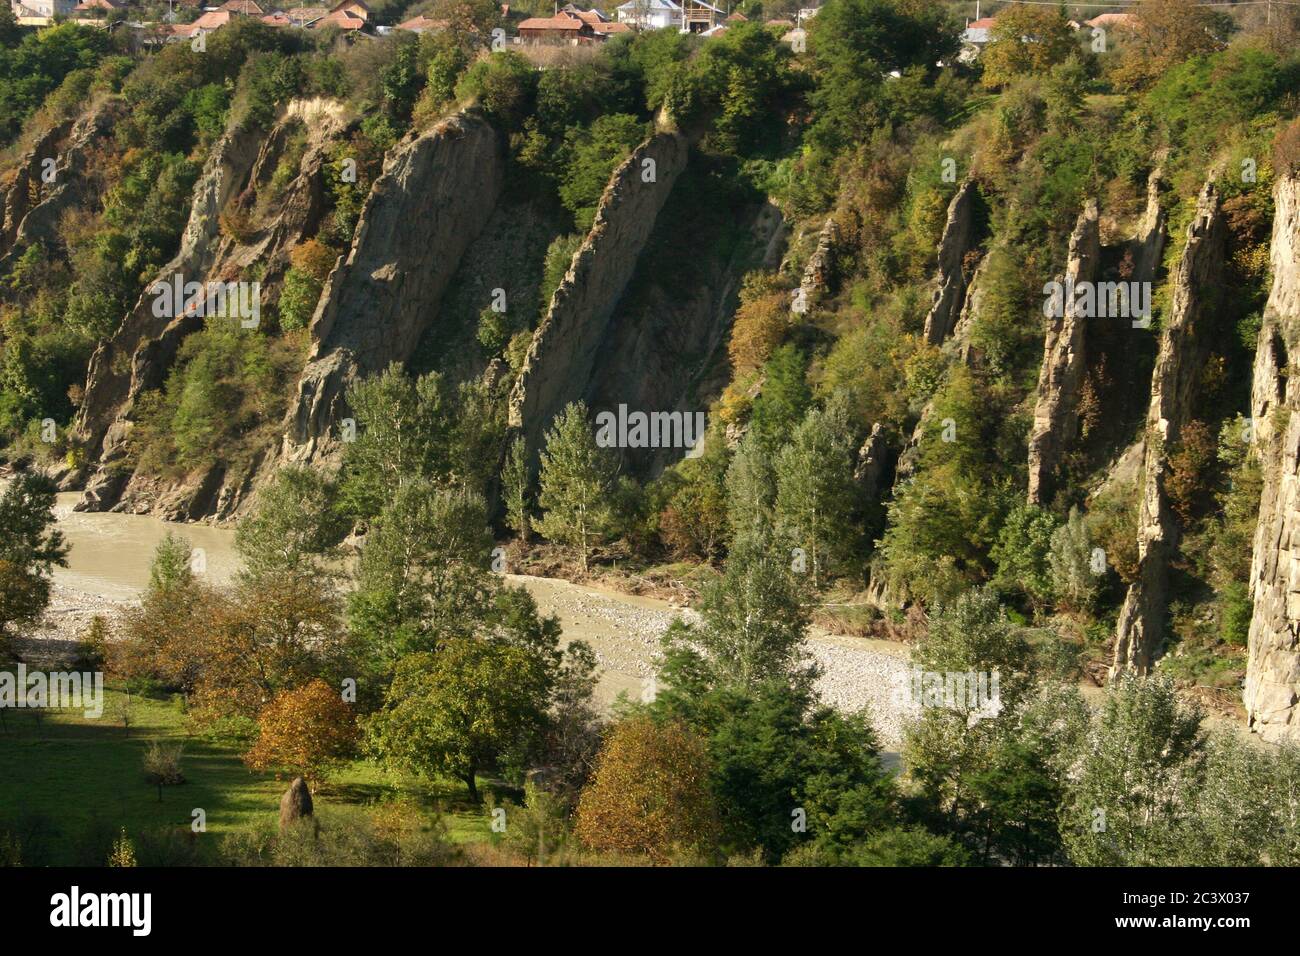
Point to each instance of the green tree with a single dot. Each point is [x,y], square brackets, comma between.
[516,488]
[1128,795]
[423,573]
[467,708]
[30,548]
[1027,40]
[1022,554]
[577,478]
[751,629]
[816,494]
[294,525]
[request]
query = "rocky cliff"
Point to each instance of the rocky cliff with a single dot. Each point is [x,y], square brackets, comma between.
[21,187]
[1179,361]
[435,195]
[1272,689]
[139,355]
[32,208]
[1060,379]
[563,355]
[958,240]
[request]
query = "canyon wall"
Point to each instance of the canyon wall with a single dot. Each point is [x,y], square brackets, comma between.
[1182,353]
[138,357]
[436,193]
[563,355]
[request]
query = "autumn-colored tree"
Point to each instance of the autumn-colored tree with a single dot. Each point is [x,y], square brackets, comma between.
[1165,33]
[1192,465]
[1027,40]
[761,323]
[649,793]
[308,730]
[314,258]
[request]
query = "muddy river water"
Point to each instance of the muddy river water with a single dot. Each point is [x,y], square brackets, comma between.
[110,555]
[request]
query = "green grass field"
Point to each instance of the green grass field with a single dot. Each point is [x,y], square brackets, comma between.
[69,784]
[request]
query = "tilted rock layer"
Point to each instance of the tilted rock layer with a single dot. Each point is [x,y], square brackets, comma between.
[1060,380]
[1182,354]
[1272,689]
[436,194]
[563,355]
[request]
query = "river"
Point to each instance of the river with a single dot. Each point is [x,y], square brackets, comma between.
[110,554]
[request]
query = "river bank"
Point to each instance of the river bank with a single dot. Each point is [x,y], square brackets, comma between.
[108,567]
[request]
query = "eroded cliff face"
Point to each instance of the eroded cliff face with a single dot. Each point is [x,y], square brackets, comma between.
[1060,379]
[30,207]
[22,187]
[958,241]
[1182,353]
[1272,690]
[563,355]
[437,192]
[139,355]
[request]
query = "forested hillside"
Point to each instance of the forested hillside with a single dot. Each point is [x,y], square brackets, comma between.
[990,343]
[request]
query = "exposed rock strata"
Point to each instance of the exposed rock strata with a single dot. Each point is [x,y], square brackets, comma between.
[950,284]
[1060,379]
[139,355]
[1182,353]
[1272,691]
[562,357]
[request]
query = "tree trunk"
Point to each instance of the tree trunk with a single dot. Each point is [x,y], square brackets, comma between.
[473,787]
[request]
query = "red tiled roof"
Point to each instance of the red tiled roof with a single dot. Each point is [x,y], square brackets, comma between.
[211,20]
[341,19]
[985,23]
[247,7]
[423,23]
[561,22]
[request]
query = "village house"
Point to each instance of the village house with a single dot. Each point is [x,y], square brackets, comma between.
[41,8]
[1109,21]
[700,17]
[348,15]
[97,8]
[422,23]
[571,26]
[246,8]
[562,28]
[649,14]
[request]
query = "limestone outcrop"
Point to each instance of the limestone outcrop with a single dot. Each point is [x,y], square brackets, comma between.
[1272,691]
[435,195]
[562,358]
[1060,379]
[822,270]
[1181,356]
[950,284]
